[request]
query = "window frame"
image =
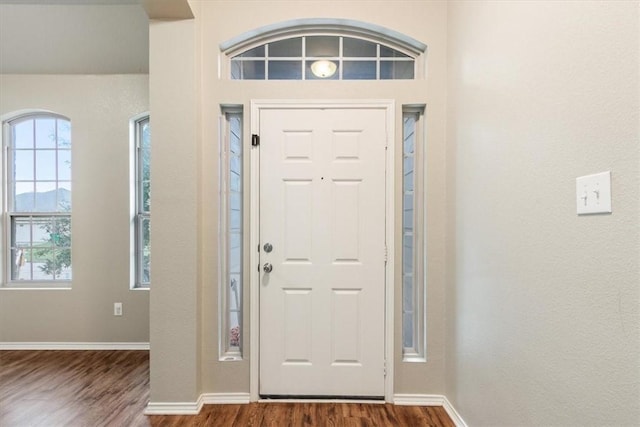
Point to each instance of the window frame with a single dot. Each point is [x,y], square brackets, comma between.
[418,351]
[228,352]
[139,215]
[236,55]
[10,214]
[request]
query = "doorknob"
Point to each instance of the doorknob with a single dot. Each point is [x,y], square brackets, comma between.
[267,267]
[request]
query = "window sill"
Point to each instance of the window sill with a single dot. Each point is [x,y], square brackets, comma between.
[36,286]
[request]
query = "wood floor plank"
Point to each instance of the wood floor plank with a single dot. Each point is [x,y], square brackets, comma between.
[111,389]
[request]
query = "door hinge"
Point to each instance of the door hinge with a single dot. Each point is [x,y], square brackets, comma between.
[384,369]
[255,140]
[385,254]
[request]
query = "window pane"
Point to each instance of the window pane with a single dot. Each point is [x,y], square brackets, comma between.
[322,46]
[396,70]
[235,180]
[23,134]
[23,165]
[387,52]
[231,218]
[46,165]
[24,200]
[45,133]
[359,70]
[407,253]
[408,174]
[145,135]
[407,330]
[21,264]
[235,252]
[256,52]
[64,165]
[250,70]
[46,197]
[64,196]
[285,70]
[407,213]
[145,251]
[358,48]
[407,294]
[236,70]
[286,48]
[310,76]
[412,264]
[64,134]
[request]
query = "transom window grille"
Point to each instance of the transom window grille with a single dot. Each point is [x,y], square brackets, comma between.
[38,201]
[322,57]
[413,240]
[231,232]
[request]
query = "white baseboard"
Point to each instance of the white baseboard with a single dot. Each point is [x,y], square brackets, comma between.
[193,408]
[224,398]
[74,346]
[173,408]
[363,401]
[418,399]
[430,400]
[453,414]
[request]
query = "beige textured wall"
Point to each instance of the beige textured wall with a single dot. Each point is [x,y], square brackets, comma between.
[424,21]
[175,294]
[544,305]
[100,108]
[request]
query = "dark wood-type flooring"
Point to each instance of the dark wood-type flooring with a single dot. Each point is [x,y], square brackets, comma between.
[111,388]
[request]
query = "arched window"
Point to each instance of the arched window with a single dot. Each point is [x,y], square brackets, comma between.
[38,198]
[323,49]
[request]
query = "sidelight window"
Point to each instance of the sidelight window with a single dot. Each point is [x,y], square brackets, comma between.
[231,232]
[413,239]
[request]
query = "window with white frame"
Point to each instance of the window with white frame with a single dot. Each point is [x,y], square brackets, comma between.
[413,239]
[231,232]
[323,57]
[142,220]
[37,200]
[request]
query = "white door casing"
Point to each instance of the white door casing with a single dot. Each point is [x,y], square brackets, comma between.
[323,198]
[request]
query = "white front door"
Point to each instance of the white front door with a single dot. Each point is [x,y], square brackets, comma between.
[322,211]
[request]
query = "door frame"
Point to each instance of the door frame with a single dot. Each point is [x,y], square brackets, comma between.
[254,228]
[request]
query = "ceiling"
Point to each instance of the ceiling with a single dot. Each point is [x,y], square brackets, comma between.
[66,2]
[73,37]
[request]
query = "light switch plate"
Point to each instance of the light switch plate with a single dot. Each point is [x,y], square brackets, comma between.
[593,193]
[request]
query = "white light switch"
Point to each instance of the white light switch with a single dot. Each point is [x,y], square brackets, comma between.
[593,193]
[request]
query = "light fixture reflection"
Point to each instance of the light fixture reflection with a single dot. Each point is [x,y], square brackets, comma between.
[323,68]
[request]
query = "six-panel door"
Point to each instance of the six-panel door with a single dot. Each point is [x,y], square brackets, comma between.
[322,209]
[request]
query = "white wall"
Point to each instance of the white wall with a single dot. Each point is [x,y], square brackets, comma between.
[100,108]
[543,305]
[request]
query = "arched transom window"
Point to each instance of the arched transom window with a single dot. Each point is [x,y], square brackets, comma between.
[323,49]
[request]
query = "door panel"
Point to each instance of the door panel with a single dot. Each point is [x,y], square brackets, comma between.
[322,208]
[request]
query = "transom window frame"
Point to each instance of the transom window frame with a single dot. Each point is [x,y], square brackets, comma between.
[386,37]
[384,64]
